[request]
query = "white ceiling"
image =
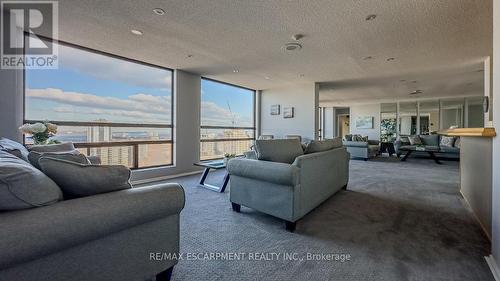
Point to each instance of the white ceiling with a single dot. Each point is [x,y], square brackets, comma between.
[440,44]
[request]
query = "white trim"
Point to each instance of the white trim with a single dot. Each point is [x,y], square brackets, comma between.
[493,267]
[155,179]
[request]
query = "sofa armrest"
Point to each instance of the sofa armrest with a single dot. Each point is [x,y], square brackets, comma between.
[279,173]
[355,143]
[373,142]
[33,233]
[397,145]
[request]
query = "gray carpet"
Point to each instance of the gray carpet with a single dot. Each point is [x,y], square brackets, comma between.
[397,221]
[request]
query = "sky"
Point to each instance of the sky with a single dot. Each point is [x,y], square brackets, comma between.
[89,86]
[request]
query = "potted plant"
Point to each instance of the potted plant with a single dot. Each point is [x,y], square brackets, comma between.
[228,156]
[40,132]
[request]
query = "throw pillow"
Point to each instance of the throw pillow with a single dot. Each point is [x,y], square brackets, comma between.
[283,151]
[79,180]
[74,156]
[348,137]
[447,141]
[404,140]
[22,186]
[415,140]
[324,145]
[457,142]
[14,148]
[66,146]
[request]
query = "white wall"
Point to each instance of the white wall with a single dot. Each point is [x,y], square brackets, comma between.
[496,141]
[372,110]
[304,98]
[329,122]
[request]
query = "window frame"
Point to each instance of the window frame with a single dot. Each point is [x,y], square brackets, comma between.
[134,144]
[254,128]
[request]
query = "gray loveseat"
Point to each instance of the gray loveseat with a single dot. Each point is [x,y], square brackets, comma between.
[124,235]
[288,182]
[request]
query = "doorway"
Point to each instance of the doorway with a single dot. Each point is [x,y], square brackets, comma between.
[343,125]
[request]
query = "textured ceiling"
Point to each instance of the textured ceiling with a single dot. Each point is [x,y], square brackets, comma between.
[438,43]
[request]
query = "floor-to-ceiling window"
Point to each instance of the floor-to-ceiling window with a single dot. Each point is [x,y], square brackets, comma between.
[113,107]
[227,119]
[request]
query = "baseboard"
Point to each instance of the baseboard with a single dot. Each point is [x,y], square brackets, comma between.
[475,216]
[493,267]
[156,179]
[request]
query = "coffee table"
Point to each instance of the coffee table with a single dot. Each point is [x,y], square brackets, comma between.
[208,165]
[430,151]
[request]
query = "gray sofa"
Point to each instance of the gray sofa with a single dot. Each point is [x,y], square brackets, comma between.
[108,236]
[362,149]
[287,182]
[452,150]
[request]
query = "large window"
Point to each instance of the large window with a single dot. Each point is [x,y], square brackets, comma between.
[227,119]
[116,108]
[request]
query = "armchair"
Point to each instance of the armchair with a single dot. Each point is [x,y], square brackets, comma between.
[362,149]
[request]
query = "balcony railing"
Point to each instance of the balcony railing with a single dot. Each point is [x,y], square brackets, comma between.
[136,154]
[218,140]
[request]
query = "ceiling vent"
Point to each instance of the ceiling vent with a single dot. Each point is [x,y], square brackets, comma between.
[290,47]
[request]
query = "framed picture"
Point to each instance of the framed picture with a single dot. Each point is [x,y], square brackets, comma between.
[275,109]
[288,112]
[364,122]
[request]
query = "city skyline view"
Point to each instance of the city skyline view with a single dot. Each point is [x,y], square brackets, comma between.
[96,88]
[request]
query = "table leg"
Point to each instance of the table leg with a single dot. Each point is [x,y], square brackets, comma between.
[204,176]
[433,156]
[224,184]
[406,155]
[213,187]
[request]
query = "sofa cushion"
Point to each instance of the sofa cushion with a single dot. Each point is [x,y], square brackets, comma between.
[323,145]
[448,149]
[79,180]
[415,140]
[430,140]
[65,146]
[284,151]
[22,186]
[14,148]
[447,141]
[74,156]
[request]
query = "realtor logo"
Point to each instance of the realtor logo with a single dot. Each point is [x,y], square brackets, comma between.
[22,22]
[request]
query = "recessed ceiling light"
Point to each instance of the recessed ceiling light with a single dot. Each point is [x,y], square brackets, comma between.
[414,81]
[416,92]
[370,17]
[402,80]
[290,47]
[368,58]
[136,32]
[189,56]
[236,70]
[301,75]
[267,77]
[159,11]
[297,37]
[390,59]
